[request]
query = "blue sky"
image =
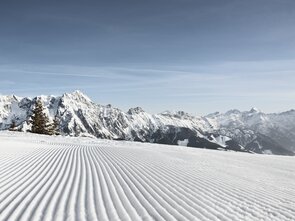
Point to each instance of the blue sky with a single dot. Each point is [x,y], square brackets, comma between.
[191,55]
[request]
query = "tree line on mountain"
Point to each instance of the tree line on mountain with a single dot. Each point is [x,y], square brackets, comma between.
[40,122]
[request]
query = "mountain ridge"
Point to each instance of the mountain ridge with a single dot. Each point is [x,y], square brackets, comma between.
[249,131]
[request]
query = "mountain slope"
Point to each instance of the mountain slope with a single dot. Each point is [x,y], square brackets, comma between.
[251,131]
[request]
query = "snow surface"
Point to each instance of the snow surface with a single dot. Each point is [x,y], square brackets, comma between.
[183,142]
[64,178]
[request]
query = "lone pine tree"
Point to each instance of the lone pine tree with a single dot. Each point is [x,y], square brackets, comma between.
[39,120]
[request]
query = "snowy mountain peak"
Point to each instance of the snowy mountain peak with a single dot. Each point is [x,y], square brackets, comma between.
[9,98]
[135,110]
[213,115]
[177,114]
[254,110]
[233,111]
[78,96]
[290,112]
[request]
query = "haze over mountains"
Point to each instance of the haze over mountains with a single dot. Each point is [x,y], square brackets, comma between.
[249,131]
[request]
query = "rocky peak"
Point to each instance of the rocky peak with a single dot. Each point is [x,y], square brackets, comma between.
[254,110]
[233,111]
[135,110]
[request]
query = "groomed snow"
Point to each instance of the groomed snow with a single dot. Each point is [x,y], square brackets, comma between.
[58,178]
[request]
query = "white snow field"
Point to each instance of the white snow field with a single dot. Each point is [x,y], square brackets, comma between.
[62,178]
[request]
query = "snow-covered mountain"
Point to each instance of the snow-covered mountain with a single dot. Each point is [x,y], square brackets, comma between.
[251,131]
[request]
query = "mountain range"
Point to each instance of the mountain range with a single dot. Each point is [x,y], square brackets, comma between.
[248,131]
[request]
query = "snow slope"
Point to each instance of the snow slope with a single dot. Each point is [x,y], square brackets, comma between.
[63,178]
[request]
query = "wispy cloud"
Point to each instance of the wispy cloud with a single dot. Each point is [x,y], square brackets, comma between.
[233,83]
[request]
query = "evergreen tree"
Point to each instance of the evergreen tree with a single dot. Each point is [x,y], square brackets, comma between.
[54,127]
[56,123]
[39,119]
